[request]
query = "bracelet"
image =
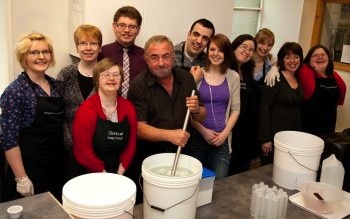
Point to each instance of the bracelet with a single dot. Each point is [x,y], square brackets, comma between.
[199,107]
[21,178]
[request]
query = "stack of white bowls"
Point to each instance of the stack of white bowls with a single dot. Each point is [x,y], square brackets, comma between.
[99,195]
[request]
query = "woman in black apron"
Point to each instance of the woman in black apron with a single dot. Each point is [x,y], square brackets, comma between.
[104,127]
[34,150]
[324,91]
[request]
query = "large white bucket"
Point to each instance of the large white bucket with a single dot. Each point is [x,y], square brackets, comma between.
[166,196]
[296,158]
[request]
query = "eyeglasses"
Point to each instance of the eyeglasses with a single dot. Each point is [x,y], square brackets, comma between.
[36,53]
[322,55]
[107,75]
[156,58]
[123,26]
[84,44]
[245,47]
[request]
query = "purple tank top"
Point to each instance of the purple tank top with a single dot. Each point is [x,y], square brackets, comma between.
[215,99]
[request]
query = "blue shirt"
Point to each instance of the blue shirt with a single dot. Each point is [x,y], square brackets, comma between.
[18,108]
[267,66]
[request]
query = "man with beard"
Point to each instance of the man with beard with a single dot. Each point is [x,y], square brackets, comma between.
[161,95]
[190,55]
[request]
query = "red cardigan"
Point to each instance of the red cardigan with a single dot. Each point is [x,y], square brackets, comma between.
[84,125]
[307,80]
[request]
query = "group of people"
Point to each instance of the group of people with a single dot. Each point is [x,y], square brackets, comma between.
[121,103]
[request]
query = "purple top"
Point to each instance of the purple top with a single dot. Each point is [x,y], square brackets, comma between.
[215,99]
[115,51]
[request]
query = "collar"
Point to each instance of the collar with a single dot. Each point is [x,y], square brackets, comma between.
[120,47]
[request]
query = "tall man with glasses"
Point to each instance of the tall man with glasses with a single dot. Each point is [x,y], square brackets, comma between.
[126,26]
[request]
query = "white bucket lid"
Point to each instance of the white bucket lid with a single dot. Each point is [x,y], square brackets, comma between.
[102,191]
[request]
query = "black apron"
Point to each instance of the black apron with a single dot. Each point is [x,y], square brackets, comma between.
[109,141]
[319,113]
[42,148]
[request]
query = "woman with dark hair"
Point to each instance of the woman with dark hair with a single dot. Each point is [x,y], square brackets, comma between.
[245,132]
[323,89]
[280,104]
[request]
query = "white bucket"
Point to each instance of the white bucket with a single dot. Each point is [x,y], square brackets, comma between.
[296,158]
[166,196]
[99,196]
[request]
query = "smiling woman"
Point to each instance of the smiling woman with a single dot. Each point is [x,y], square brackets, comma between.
[31,123]
[324,90]
[104,126]
[280,105]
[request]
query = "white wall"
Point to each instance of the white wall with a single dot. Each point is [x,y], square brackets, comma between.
[49,17]
[172,18]
[6,64]
[283,18]
[343,119]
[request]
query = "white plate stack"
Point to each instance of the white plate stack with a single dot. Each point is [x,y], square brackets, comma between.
[99,195]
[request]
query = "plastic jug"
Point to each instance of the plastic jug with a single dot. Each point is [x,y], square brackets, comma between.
[332,172]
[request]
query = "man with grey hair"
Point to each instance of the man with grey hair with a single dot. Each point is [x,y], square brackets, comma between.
[161,95]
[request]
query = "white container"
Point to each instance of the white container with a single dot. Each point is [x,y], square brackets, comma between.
[296,158]
[168,197]
[332,172]
[99,196]
[15,211]
[206,186]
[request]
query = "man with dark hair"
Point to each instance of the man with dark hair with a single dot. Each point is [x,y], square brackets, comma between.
[190,53]
[126,26]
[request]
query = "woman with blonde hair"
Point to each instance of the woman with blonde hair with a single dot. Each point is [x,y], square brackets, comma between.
[31,123]
[265,39]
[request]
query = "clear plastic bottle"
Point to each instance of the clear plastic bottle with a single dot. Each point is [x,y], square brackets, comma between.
[332,172]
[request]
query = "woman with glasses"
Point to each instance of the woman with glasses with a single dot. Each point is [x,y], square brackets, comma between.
[75,80]
[104,126]
[323,89]
[31,123]
[243,48]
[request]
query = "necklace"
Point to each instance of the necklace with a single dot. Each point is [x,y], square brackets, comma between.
[219,120]
[111,115]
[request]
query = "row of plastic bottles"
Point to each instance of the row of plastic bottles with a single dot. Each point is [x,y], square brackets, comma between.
[268,203]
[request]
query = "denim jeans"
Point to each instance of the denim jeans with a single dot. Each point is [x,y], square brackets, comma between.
[212,157]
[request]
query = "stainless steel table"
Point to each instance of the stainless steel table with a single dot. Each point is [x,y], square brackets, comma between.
[231,197]
[40,206]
